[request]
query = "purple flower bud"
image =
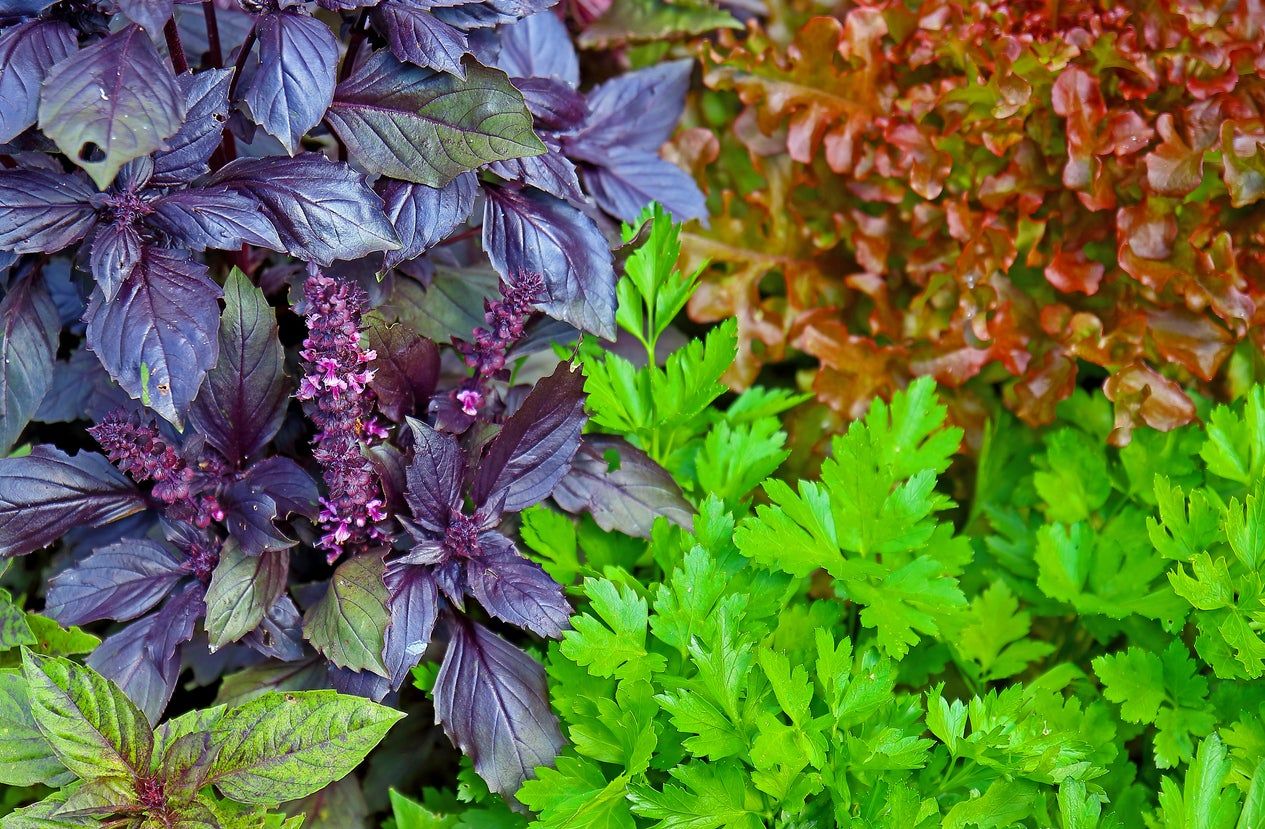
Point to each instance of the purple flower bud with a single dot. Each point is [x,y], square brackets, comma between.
[487,352]
[336,396]
[139,450]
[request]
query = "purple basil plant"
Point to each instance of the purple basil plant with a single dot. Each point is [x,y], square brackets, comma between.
[237,252]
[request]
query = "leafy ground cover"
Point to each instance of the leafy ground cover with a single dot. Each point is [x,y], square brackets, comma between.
[359,465]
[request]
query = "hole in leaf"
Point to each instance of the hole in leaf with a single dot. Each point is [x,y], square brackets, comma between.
[613,461]
[92,153]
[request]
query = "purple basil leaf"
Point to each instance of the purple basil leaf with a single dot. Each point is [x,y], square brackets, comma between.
[414,605]
[119,582]
[150,15]
[115,252]
[249,513]
[425,126]
[67,292]
[450,579]
[287,484]
[434,476]
[388,462]
[359,683]
[552,172]
[635,111]
[157,338]
[125,659]
[515,589]
[416,36]
[81,389]
[526,231]
[534,448]
[322,210]
[293,82]
[424,216]
[554,105]
[243,588]
[628,180]
[243,399]
[43,212]
[486,13]
[27,52]
[206,102]
[493,704]
[539,46]
[29,328]
[280,634]
[348,623]
[212,217]
[111,102]
[405,370]
[73,383]
[622,487]
[47,492]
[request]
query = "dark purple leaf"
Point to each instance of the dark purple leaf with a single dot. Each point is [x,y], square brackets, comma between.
[27,52]
[212,217]
[206,102]
[280,634]
[249,513]
[292,84]
[554,105]
[47,492]
[622,487]
[493,704]
[414,604]
[628,180]
[449,578]
[514,589]
[534,448]
[487,13]
[405,370]
[434,476]
[243,401]
[43,212]
[149,14]
[425,126]
[29,328]
[539,46]
[243,588]
[124,658]
[322,210]
[424,216]
[81,389]
[388,462]
[550,172]
[119,582]
[416,36]
[115,253]
[111,102]
[635,111]
[359,683]
[290,487]
[157,338]
[175,621]
[529,232]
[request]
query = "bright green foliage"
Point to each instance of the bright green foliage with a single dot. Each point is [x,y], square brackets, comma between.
[872,521]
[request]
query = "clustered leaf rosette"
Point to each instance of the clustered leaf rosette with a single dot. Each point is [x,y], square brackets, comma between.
[489,696]
[992,194]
